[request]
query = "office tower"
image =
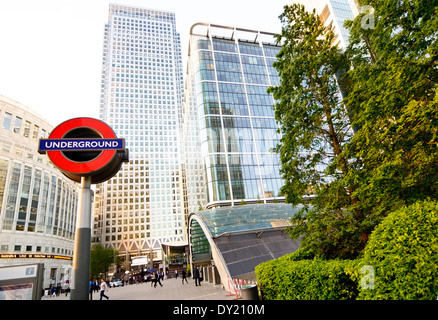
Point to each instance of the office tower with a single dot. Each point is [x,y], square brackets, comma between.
[334,13]
[229,125]
[141,207]
[38,203]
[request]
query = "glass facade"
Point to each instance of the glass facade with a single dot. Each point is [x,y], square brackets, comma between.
[235,239]
[225,220]
[141,99]
[227,101]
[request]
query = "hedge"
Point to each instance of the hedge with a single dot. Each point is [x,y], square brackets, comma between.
[401,254]
[403,250]
[286,279]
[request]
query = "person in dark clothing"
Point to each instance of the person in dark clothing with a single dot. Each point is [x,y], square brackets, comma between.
[184,276]
[90,289]
[157,279]
[197,276]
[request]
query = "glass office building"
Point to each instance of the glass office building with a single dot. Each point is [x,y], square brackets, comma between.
[229,125]
[141,207]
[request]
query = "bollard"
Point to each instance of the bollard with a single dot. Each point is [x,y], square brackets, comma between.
[249,292]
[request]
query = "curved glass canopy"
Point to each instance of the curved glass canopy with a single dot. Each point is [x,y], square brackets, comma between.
[247,217]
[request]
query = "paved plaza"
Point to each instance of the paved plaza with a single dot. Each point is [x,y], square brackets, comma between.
[172,289]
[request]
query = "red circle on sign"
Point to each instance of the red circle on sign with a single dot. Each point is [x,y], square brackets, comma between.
[87,167]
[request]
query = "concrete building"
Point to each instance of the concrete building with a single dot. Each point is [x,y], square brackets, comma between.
[334,13]
[38,203]
[140,208]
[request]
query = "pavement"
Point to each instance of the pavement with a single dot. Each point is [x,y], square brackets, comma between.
[172,289]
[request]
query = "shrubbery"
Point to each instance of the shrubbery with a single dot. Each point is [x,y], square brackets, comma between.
[286,279]
[402,252]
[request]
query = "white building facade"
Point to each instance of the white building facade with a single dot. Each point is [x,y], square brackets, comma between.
[38,203]
[334,13]
[141,207]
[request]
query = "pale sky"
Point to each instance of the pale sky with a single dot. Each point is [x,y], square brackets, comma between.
[51,50]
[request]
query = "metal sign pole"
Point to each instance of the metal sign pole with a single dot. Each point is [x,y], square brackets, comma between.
[79,159]
[81,255]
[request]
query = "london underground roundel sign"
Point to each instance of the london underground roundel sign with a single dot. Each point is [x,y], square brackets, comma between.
[85,147]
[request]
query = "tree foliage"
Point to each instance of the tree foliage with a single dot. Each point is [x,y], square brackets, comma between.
[389,79]
[392,95]
[400,262]
[403,251]
[315,130]
[101,258]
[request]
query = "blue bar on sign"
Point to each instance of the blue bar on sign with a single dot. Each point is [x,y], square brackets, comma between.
[80,144]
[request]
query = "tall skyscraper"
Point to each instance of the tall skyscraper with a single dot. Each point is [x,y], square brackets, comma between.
[334,13]
[229,124]
[141,99]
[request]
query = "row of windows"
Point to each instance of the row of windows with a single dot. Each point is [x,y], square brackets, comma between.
[240,160]
[243,189]
[31,248]
[37,201]
[24,127]
[139,13]
[237,109]
[143,235]
[244,47]
[231,72]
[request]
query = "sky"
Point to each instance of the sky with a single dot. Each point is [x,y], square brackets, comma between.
[51,50]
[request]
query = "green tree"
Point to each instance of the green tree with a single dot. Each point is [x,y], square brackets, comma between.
[392,97]
[101,258]
[390,80]
[315,130]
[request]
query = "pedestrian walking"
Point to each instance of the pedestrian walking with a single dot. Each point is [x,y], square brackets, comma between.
[176,274]
[197,276]
[184,276]
[157,279]
[103,288]
[90,289]
[67,288]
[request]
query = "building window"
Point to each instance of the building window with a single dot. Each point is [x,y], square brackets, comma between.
[7,121]
[17,125]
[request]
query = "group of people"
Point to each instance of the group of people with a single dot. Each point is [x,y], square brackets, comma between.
[95,286]
[197,275]
[56,291]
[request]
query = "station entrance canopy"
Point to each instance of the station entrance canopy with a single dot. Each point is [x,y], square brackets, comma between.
[241,237]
